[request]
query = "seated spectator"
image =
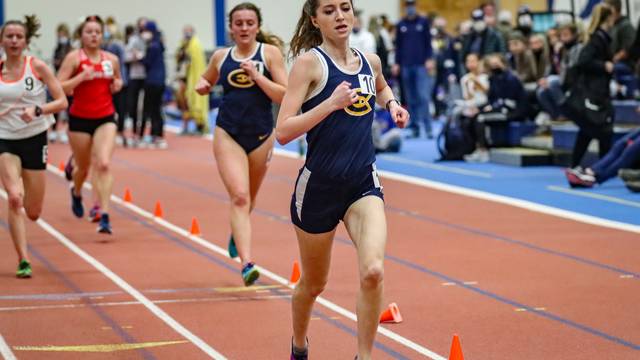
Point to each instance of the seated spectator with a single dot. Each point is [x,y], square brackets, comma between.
[625,153]
[551,89]
[475,87]
[525,21]
[540,50]
[387,137]
[507,102]
[521,60]
[622,37]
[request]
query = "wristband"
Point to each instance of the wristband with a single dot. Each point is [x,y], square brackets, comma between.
[37,111]
[389,103]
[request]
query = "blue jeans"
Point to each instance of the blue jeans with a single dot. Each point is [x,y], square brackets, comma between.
[624,153]
[552,97]
[624,76]
[417,85]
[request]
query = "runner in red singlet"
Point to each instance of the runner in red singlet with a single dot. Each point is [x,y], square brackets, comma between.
[91,76]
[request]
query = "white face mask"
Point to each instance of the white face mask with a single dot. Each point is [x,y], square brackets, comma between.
[146,35]
[525,20]
[479,26]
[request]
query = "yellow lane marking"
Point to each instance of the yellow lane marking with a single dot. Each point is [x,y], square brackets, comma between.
[98,348]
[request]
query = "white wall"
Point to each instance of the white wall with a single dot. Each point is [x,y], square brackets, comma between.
[281,16]
[171,16]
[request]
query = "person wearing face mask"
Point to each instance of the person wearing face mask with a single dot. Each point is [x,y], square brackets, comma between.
[504,25]
[589,103]
[113,43]
[482,40]
[414,64]
[551,89]
[154,84]
[507,101]
[525,21]
[361,38]
[448,68]
[134,52]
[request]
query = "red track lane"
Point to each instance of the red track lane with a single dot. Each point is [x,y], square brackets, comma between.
[184,179]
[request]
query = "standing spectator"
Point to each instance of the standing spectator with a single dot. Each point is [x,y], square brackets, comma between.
[134,53]
[525,21]
[590,101]
[505,27]
[154,85]
[114,44]
[622,37]
[447,64]
[63,47]
[384,44]
[482,40]
[198,105]
[360,37]
[415,65]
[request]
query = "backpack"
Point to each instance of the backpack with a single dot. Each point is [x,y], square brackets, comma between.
[455,139]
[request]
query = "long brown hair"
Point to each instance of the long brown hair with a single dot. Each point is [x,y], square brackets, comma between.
[306,35]
[263,36]
[31,25]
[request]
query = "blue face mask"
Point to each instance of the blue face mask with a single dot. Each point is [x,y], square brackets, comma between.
[411,10]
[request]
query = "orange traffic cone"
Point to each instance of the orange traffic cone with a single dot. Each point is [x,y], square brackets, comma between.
[195,227]
[391,315]
[295,273]
[61,166]
[158,210]
[456,349]
[127,195]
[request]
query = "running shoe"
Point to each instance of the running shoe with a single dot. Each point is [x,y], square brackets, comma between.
[233,251]
[24,269]
[76,204]
[578,178]
[94,214]
[104,226]
[299,355]
[250,274]
[68,169]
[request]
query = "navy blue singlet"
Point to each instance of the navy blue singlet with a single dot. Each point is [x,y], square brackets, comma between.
[245,108]
[341,144]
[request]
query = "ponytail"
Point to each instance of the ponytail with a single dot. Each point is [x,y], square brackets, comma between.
[31,25]
[601,13]
[306,35]
[263,36]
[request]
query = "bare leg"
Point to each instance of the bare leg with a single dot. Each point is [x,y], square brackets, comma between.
[10,168]
[101,152]
[366,223]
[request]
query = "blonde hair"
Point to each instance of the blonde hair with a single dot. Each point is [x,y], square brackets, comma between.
[601,13]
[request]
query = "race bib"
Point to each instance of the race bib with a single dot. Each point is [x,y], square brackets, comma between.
[107,68]
[367,84]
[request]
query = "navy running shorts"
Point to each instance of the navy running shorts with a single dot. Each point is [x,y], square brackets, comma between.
[319,203]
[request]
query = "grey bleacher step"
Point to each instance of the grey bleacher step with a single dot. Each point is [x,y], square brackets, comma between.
[543,142]
[519,156]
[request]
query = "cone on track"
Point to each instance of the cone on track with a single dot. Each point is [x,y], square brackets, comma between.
[127,195]
[391,314]
[456,349]
[61,166]
[158,210]
[295,273]
[195,227]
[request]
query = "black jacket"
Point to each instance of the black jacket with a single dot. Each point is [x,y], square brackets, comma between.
[593,78]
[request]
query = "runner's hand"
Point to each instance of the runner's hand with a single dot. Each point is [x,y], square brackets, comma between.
[343,96]
[203,87]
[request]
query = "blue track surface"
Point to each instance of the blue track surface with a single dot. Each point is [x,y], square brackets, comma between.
[544,185]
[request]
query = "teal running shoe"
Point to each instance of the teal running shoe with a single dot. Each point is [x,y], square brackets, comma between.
[233,251]
[250,274]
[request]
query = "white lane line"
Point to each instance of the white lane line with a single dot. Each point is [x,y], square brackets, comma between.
[587,194]
[128,288]
[5,350]
[483,195]
[438,167]
[273,276]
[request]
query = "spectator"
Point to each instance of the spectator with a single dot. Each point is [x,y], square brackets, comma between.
[555,49]
[415,64]
[134,53]
[589,104]
[521,59]
[198,105]
[507,102]
[482,40]
[154,85]
[360,37]
[622,38]
[489,10]
[505,27]
[551,90]
[113,43]
[63,47]
[525,21]
[625,153]
[447,64]
[540,50]
[384,44]
[475,87]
